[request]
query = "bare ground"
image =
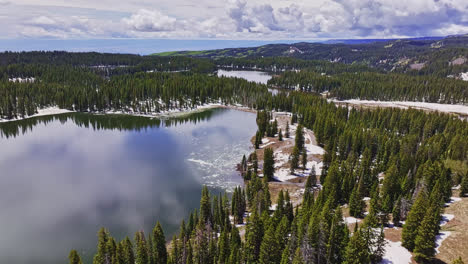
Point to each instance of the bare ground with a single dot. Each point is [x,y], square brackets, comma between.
[456,245]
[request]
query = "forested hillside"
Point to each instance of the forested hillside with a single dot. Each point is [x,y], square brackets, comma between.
[130,89]
[377,86]
[419,56]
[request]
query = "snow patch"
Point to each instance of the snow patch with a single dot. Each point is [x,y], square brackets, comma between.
[453,200]
[446,218]
[41,112]
[440,238]
[445,108]
[351,220]
[395,253]
[464,76]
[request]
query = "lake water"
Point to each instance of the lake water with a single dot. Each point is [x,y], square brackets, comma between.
[251,76]
[63,177]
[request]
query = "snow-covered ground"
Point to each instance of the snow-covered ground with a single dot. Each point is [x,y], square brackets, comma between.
[351,220]
[445,108]
[446,218]
[283,173]
[453,200]
[41,112]
[464,76]
[440,238]
[395,253]
[22,80]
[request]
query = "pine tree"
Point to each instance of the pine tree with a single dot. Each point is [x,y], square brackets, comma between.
[464,186]
[74,257]
[189,259]
[356,204]
[141,248]
[286,134]
[415,217]
[150,248]
[254,234]
[282,232]
[458,261]
[129,256]
[280,135]
[304,159]
[298,257]
[270,249]
[295,159]
[375,241]
[258,139]
[285,256]
[356,251]
[254,162]
[235,239]
[102,256]
[268,164]
[119,253]
[396,213]
[205,206]
[308,196]
[299,139]
[159,245]
[313,176]
[338,238]
[223,248]
[274,128]
[424,244]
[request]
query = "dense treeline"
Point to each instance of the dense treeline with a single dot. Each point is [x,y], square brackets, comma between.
[377,86]
[441,63]
[279,64]
[115,62]
[81,90]
[395,157]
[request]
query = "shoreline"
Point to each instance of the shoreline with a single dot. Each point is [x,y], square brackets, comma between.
[48,111]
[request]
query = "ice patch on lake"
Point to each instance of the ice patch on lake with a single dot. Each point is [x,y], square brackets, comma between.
[201,162]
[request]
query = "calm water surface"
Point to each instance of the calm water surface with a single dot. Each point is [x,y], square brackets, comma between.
[251,76]
[63,177]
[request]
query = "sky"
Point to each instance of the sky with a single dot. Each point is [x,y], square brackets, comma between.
[230,20]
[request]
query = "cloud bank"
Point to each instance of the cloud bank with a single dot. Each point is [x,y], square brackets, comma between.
[238,19]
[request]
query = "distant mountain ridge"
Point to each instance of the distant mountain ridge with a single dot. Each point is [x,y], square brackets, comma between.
[422,54]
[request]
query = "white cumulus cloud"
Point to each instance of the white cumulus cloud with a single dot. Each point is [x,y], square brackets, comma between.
[234,19]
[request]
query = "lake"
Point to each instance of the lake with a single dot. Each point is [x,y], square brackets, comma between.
[251,76]
[63,177]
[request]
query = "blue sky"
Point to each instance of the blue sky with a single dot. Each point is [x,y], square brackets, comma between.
[230,20]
